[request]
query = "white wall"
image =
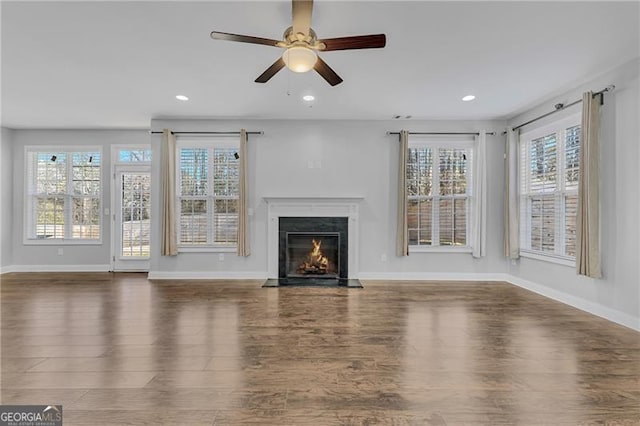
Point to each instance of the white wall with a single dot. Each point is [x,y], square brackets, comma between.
[358,159]
[75,257]
[6,193]
[617,295]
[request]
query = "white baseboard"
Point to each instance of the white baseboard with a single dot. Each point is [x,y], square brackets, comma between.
[7,269]
[207,275]
[432,276]
[61,268]
[577,302]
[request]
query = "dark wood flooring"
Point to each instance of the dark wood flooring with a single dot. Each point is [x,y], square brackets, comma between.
[119,349]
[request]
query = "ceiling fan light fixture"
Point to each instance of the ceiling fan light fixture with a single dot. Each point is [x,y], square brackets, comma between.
[299,58]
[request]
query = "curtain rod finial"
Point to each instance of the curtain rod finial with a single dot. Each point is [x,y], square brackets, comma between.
[610,88]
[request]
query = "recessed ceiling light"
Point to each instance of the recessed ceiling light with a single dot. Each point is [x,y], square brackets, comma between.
[308,98]
[182,98]
[468,98]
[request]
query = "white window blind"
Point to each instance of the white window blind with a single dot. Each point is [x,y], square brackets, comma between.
[549,161]
[439,193]
[207,189]
[63,195]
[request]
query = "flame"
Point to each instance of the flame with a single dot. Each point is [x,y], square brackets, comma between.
[315,261]
[316,254]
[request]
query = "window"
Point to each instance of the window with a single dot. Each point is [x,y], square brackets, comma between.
[207,189]
[133,155]
[63,195]
[439,190]
[549,165]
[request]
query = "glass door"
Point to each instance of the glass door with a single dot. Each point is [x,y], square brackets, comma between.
[132,218]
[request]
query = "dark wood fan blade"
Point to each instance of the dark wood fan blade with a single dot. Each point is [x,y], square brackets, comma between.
[271,71]
[243,38]
[327,73]
[301,13]
[356,42]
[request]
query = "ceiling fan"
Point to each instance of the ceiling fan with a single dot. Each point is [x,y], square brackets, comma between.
[301,44]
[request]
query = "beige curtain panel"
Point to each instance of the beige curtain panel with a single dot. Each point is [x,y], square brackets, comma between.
[511,212]
[588,220]
[402,239]
[243,202]
[169,245]
[479,222]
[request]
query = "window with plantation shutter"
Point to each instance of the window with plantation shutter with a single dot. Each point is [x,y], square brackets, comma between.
[207,191]
[549,165]
[64,192]
[439,193]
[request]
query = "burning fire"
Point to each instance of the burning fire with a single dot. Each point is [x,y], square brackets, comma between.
[315,262]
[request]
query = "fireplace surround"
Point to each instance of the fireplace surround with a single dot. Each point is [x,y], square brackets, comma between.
[329,219]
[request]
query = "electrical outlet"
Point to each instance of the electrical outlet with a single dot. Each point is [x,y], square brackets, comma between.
[514,262]
[221,257]
[383,258]
[60,251]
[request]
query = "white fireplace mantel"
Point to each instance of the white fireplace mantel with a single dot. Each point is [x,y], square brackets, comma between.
[312,207]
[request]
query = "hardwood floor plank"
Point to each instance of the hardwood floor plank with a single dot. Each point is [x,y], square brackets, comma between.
[14,365]
[122,364]
[58,351]
[138,418]
[179,398]
[231,380]
[75,380]
[66,397]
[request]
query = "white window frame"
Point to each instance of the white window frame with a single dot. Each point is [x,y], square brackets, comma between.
[435,143]
[29,212]
[209,143]
[558,127]
[115,154]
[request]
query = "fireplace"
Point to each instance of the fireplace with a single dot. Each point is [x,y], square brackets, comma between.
[332,220]
[313,248]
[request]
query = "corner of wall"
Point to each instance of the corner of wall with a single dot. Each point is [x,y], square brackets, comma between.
[6,197]
[577,302]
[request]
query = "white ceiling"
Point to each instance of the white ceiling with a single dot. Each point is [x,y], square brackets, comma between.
[119,64]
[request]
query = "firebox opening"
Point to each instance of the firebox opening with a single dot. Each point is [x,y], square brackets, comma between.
[300,262]
[313,255]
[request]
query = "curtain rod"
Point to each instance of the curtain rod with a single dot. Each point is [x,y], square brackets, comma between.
[561,107]
[442,133]
[209,133]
